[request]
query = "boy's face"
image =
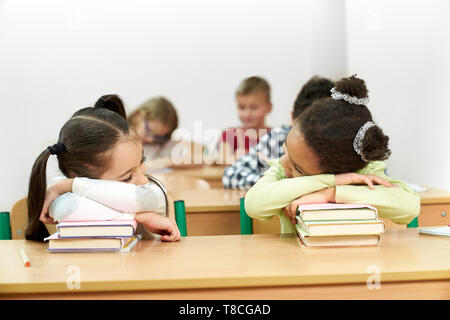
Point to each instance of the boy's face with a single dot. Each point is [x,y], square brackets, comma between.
[252,109]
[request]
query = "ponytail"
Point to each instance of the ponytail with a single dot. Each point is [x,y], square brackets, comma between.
[37,187]
[113,103]
[374,145]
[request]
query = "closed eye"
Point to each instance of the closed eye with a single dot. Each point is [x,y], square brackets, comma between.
[131,175]
[299,170]
[293,163]
[127,179]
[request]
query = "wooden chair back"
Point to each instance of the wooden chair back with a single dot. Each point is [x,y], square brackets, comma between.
[19,220]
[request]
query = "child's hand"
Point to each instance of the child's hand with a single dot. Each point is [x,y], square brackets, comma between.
[50,195]
[322,196]
[159,224]
[356,178]
[55,190]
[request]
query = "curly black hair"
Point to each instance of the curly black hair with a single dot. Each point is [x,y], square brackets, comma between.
[316,88]
[329,127]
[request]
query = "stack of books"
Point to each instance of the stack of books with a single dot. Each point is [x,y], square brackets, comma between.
[338,225]
[94,236]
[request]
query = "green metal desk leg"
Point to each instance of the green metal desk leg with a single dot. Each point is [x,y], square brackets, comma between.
[180,217]
[5,226]
[414,223]
[246,221]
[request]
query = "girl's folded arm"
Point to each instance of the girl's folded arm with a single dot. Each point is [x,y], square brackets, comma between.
[72,207]
[273,192]
[125,197]
[399,204]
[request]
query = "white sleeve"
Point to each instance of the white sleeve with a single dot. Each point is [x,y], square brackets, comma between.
[72,207]
[125,197]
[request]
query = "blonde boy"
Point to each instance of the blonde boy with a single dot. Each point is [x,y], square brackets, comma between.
[253,104]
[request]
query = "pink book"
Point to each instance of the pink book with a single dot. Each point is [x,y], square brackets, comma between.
[109,228]
[336,211]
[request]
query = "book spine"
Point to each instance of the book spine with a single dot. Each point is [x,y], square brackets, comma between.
[374,217]
[302,224]
[94,237]
[83,250]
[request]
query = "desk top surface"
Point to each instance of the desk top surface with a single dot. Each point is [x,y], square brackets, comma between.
[223,261]
[434,195]
[203,172]
[210,200]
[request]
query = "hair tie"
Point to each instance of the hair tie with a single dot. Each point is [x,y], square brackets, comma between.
[56,148]
[336,95]
[357,142]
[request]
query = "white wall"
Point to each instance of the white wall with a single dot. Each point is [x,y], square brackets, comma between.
[328,38]
[402,48]
[56,57]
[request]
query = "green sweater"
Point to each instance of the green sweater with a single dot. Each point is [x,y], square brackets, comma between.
[274,191]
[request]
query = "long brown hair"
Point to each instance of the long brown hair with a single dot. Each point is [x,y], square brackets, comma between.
[88,138]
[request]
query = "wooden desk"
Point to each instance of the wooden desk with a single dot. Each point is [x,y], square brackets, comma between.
[434,207]
[211,211]
[217,212]
[212,174]
[174,183]
[412,266]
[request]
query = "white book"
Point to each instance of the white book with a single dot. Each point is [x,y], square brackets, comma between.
[83,229]
[120,244]
[436,231]
[336,241]
[341,227]
[336,211]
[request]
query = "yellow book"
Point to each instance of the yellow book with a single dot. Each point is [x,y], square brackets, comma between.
[90,244]
[336,211]
[336,241]
[341,227]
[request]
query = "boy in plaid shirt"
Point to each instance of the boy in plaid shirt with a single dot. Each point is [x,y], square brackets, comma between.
[244,173]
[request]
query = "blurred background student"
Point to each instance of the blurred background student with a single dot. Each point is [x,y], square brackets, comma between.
[246,170]
[253,105]
[155,120]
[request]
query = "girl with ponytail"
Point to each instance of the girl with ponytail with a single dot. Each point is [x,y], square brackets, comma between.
[102,161]
[332,151]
